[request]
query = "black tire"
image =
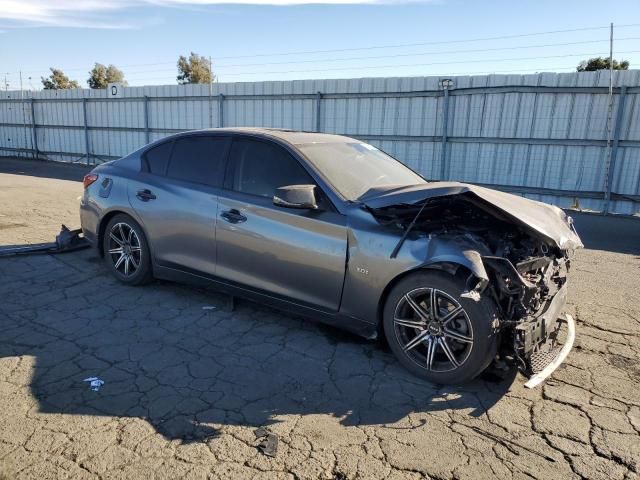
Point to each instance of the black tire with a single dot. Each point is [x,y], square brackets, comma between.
[468,336]
[135,268]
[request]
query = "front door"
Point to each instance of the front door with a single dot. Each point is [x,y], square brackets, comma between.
[298,254]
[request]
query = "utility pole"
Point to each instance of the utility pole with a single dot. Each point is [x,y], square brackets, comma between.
[607,179]
[611,60]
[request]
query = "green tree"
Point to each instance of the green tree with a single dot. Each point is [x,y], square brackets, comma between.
[601,63]
[58,81]
[195,69]
[100,76]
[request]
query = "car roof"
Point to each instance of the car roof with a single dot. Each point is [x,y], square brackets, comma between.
[294,137]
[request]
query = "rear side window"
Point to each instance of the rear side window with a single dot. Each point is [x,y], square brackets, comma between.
[157,158]
[258,168]
[199,159]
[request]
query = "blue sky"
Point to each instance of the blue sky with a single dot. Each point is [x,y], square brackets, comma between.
[367,38]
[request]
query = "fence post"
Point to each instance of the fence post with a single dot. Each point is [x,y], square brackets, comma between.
[318,112]
[147,133]
[221,110]
[34,134]
[611,167]
[86,129]
[446,84]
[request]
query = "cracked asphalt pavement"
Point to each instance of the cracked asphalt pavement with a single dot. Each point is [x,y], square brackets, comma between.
[185,388]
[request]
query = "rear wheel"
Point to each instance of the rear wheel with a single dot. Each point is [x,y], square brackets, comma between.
[126,252]
[435,332]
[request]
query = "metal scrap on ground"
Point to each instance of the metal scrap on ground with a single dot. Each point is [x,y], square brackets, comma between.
[269,442]
[94,382]
[66,241]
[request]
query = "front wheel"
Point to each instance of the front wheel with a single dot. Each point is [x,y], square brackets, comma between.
[436,333]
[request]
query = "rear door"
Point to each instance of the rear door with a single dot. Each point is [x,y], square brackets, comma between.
[176,198]
[299,254]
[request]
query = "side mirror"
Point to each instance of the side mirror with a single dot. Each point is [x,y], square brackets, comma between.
[296,196]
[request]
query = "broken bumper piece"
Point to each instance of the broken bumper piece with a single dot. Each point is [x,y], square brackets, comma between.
[66,241]
[544,364]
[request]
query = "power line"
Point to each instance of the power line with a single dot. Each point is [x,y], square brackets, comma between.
[417,54]
[502,37]
[145,72]
[428,64]
[311,52]
[445,52]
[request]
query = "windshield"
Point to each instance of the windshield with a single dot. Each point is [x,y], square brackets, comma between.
[354,168]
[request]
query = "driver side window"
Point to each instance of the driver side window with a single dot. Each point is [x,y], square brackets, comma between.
[258,168]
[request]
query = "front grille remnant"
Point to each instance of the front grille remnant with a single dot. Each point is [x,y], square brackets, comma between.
[539,360]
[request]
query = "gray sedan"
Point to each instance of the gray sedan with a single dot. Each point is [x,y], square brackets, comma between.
[452,275]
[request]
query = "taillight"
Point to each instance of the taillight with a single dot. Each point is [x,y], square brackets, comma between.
[89,179]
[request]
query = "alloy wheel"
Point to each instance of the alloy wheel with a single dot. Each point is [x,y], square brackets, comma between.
[433,329]
[125,249]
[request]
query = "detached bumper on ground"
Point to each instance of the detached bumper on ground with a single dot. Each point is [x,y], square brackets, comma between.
[66,241]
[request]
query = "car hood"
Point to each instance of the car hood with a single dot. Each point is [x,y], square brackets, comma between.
[547,220]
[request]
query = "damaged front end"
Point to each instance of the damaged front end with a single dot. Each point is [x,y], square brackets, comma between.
[518,252]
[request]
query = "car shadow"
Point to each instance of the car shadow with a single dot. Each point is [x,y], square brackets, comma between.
[190,371]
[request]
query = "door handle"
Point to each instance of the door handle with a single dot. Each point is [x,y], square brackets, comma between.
[233,216]
[145,195]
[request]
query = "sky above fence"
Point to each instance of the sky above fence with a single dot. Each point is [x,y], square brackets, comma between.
[338,39]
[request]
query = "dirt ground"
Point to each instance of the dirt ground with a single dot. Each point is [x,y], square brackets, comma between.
[185,388]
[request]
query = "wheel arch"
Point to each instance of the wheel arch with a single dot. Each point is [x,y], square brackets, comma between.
[452,267]
[104,221]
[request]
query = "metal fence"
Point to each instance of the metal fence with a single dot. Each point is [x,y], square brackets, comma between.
[543,136]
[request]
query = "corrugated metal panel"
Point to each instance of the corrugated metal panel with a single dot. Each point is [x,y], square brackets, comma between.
[494,137]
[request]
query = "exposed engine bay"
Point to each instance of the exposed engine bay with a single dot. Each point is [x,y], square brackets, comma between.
[521,269]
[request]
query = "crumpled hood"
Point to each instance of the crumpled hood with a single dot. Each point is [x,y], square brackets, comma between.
[547,220]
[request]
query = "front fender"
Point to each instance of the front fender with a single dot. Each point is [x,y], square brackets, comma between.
[462,250]
[371,271]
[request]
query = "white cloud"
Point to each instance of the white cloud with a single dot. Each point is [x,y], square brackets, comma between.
[61,13]
[101,13]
